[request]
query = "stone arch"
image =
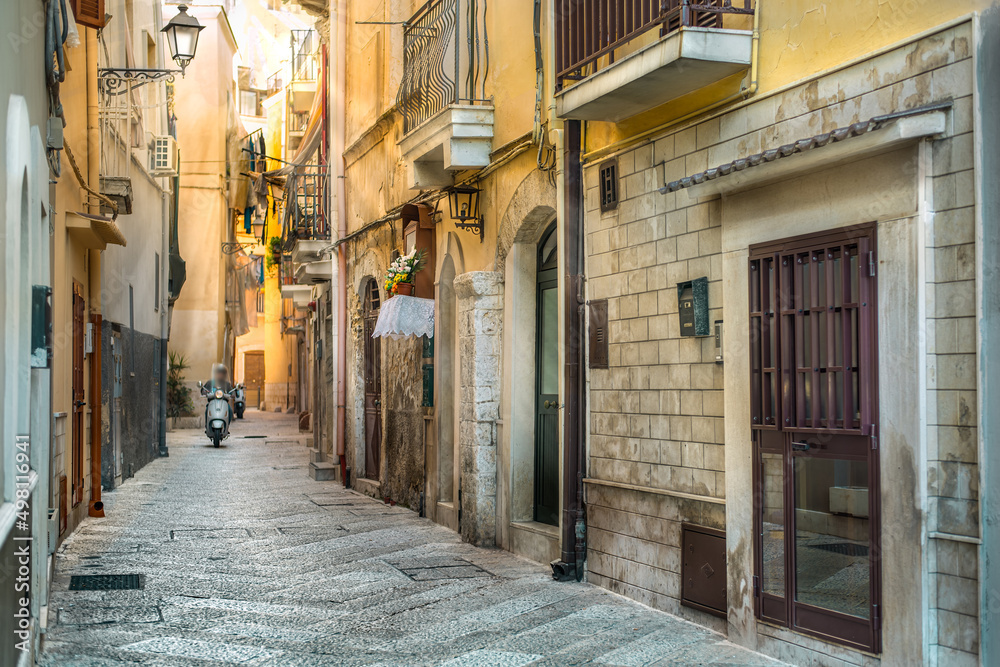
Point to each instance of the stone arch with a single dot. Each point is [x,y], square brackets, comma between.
[530,209]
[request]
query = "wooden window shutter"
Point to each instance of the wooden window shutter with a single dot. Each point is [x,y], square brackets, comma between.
[89,13]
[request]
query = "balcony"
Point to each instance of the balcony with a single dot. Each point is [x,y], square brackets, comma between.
[304,71]
[299,295]
[447,119]
[618,58]
[306,226]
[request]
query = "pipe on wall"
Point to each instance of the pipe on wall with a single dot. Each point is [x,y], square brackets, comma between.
[96,508]
[338,20]
[573,531]
[164,279]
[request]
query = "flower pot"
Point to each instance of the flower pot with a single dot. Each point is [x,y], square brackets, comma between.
[404,289]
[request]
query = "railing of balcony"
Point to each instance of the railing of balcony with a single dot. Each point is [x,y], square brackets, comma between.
[589,30]
[307,199]
[275,83]
[446,59]
[305,55]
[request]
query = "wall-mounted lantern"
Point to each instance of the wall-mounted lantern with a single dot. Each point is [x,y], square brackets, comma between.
[463,201]
[182,37]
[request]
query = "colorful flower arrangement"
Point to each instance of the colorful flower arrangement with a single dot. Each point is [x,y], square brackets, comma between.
[403,270]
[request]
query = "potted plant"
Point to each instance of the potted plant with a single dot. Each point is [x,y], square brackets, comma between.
[179,402]
[274,254]
[399,278]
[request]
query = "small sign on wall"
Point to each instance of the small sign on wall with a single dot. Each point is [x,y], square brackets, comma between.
[692,303]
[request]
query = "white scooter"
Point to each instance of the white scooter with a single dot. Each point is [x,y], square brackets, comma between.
[218,416]
[240,400]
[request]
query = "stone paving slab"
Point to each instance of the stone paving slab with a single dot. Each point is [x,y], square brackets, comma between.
[247,561]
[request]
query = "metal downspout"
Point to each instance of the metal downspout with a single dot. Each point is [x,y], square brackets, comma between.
[96,508]
[339,23]
[164,317]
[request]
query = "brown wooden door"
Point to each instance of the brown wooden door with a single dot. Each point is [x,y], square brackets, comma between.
[373,384]
[253,376]
[79,404]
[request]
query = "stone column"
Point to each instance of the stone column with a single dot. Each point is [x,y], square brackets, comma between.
[480,304]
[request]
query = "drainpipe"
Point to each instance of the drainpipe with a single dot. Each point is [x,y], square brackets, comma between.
[164,319]
[96,508]
[751,89]
[339,24]
[573,550]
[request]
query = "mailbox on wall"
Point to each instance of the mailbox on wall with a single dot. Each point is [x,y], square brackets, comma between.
[692,305]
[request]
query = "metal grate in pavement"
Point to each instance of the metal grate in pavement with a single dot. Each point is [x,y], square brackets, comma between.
[105,582]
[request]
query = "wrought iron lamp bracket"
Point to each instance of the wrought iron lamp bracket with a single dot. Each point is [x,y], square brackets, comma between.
[233,247]
[117,81]
[477,227]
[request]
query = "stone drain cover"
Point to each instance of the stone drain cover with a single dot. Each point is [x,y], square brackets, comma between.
[429,569]
[105,582]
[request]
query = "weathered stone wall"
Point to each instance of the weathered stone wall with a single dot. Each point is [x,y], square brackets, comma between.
[480,306]
[401,473]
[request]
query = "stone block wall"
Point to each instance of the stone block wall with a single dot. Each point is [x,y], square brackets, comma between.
[657,445]
[480,313]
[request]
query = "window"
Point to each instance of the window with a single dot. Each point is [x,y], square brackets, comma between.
[260,301]
[251,103]
[609,185]
[814,416]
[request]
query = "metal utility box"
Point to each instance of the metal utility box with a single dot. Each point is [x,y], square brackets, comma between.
[703,569]
[598,347]
[692,305]
[41,326]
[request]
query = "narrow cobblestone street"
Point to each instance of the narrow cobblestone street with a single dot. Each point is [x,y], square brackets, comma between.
[245,560]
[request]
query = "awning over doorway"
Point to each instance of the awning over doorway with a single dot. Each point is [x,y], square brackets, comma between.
[403,316]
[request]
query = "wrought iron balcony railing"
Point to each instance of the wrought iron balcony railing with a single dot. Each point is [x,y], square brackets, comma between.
[275,83]
[446,59]
[307,199]
[305,55]
[589,30]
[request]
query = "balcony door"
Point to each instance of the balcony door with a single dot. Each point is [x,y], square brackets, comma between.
[547,382]
[814,415]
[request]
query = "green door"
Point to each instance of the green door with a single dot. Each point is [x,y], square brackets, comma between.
[547,383]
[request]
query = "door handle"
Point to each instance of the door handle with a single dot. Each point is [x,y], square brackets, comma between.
[80,404]
[800,446]
[377,403]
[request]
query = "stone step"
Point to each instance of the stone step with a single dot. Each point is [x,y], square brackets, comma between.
[315,455]
[323,471]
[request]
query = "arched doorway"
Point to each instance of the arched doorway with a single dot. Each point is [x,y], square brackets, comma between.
[547,381]
[373,381]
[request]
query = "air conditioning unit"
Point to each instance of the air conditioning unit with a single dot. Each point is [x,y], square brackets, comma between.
[164,158]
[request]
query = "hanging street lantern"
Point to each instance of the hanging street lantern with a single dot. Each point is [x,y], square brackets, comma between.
[182,37]
[463,202]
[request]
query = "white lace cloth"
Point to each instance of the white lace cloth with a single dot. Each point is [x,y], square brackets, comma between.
[403,316]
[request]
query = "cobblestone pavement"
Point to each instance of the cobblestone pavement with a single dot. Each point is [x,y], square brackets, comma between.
[245,560]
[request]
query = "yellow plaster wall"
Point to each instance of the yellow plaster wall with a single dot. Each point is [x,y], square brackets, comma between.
[799,39]
[198,326]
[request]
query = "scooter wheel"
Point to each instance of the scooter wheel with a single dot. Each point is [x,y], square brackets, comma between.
[216,440]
